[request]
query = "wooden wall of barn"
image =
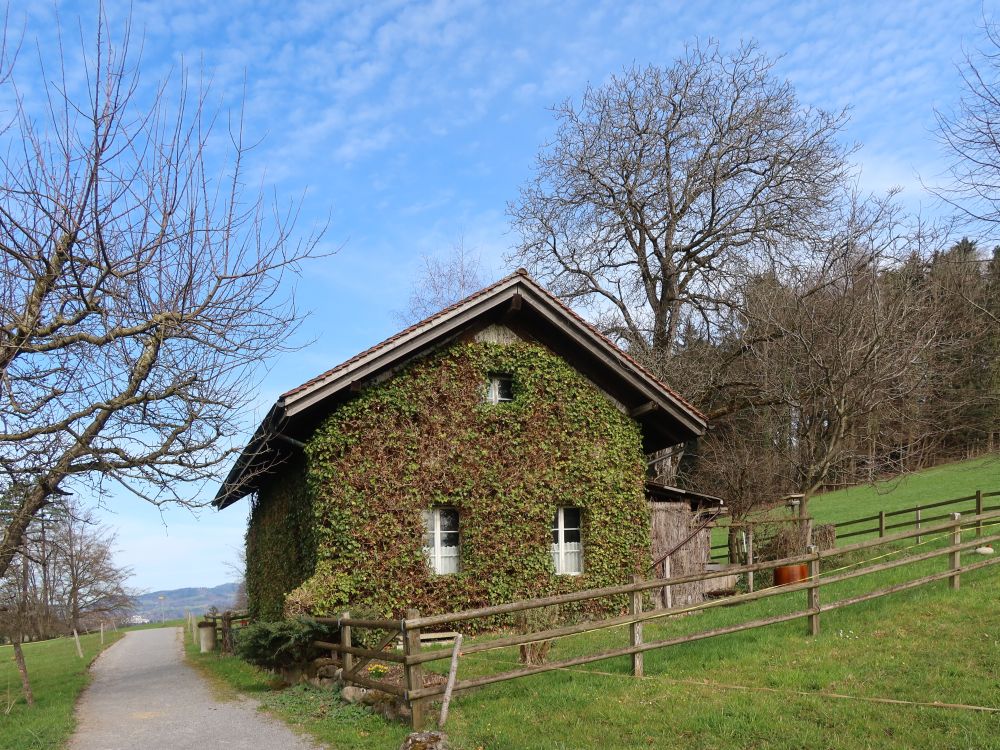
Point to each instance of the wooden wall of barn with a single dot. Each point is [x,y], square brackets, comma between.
[671,523]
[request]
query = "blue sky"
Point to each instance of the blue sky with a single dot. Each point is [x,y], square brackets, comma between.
[412,124]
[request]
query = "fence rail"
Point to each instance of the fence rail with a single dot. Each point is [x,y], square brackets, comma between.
[880,527]
[418,696]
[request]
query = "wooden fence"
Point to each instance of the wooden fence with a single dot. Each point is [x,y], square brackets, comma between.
[223,624]
[883,521]
[412,657]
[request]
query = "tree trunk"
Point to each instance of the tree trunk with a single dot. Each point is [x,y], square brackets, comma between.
[734,545]
[23,669]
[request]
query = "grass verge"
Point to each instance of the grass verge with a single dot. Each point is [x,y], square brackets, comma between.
[58,676]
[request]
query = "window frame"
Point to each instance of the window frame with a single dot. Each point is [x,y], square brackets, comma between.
[433,553]
[560,528]
[493,388]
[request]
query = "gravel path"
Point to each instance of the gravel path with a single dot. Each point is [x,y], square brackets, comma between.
[144,697]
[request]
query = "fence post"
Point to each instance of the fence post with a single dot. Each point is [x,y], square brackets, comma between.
[956,538]
[814,590]
[881,523]
[636,609]
[412,672]
[979,512]
[346,659]
[918,523]
[227,632]
[750,557]
[668,601]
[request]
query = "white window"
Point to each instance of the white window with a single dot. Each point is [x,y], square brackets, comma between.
[500,389]
[441,539]
[567,548]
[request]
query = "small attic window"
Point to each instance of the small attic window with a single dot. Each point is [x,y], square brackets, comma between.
[500,388]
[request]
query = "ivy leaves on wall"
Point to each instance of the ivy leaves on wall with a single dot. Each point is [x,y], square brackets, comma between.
[428,437]
[281,543]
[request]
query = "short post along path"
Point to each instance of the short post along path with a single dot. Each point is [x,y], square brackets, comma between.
[144,695]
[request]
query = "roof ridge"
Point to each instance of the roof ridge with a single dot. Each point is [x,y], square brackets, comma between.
[400,334]
[519,273]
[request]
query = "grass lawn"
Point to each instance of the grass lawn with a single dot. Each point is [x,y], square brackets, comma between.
[57,677]
[764,688]
[179,622]
[767,688]
[867,681]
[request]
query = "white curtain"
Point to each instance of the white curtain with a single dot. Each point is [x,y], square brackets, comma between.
[572,558]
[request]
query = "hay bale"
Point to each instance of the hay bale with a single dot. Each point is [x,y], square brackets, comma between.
[825,536]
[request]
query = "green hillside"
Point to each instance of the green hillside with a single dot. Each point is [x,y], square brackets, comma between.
[940,483]
[946,482]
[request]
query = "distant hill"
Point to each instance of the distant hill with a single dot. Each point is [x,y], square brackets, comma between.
[178,602]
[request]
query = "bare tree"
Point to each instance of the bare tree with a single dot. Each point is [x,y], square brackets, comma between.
[971,134]
[89,585]
[13,619]
[237,566]
[139,290]
[846,345]
[443,281]
[665,185]
[741,460]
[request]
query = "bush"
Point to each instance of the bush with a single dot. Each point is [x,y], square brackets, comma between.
[284,643]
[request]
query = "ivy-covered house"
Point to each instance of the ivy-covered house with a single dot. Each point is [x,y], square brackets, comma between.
[494,451]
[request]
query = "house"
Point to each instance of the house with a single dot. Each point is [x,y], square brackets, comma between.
[494,451]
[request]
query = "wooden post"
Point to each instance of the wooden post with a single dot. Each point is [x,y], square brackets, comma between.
[814,590]
[413,673]
[102,632]
[750,557]
[918,523]
[452,674]
[76,637]
[668,601]
[227,632]
[346,659]
[956,538]
[636,609]
[881,523]
[979,512]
